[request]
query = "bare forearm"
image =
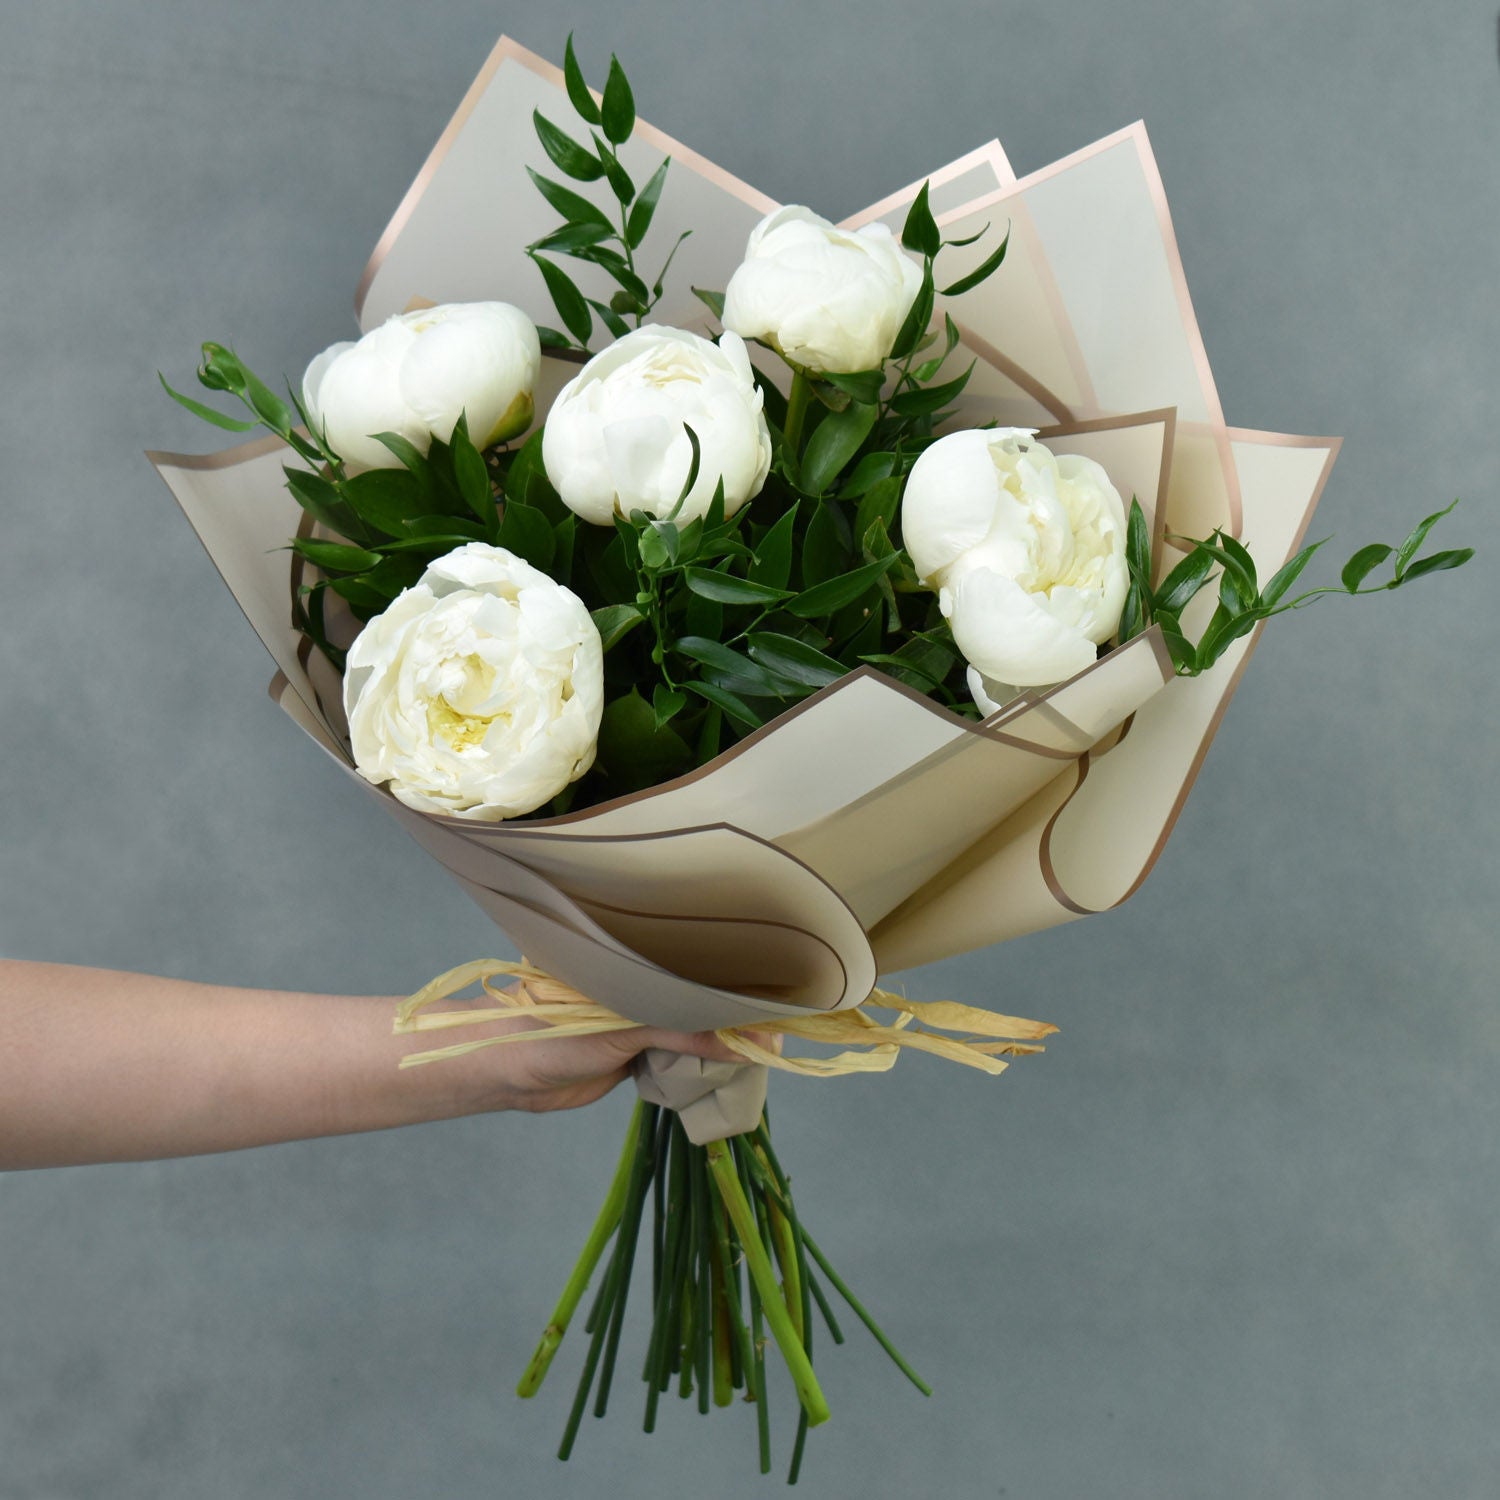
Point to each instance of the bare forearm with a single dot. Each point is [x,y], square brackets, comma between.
[103,1066]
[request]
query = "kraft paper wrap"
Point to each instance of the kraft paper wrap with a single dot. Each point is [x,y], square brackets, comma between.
[867,830]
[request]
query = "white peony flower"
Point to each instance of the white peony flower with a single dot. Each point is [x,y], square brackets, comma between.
[479,691]
[1026,550]
[417,372]
[829,299]
[615,439]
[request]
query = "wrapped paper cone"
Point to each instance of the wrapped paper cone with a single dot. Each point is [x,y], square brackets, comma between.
[868,829]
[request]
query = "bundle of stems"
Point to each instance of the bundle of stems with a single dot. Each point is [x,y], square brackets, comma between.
[730,1260]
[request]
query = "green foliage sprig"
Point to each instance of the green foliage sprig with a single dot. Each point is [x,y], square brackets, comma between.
[1243,600]
[587,233]
[387,525]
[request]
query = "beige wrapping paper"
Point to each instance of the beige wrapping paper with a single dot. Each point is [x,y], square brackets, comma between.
[868,829]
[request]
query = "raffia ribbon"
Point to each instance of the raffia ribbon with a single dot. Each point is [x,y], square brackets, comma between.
[869,1046]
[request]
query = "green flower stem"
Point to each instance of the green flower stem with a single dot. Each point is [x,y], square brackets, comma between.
[785,1243]
[726,1179]
[796,411]
[599,1236]
[630,1226]
[880,1336]
[767,1155]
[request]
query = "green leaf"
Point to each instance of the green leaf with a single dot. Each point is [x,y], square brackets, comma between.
[773,553]
[1242,579]
[1287,575]
[872,468]
[928,368]
[1185,579]
[614,263]
[904,669]
[694,461]
[618,113]
[621,184]
[634,750]
[830,597]
[748,676]
[470,472]
[525,531]
[617,325]
[1178,645]
[207,413]
[917,319]
[615,621]
[920,231]
[713,301]
[569,301]
[1138,545]
[550,338]
[411,458]
[727,589]
[645,206]
[1236,549]
[335,556]
[269,407]
[1437,562]
[564,533]
[581,165]
[1131,615]
[434,543]
[1408,549]
[793,659]
[1221,635]
[836,439]
[526,479]
[444,527]
[578,91]
[879,503]
[321,501]
[666,703]
[574,207]
[863,385]
[386,498]
[1363,563]
[922,403]
[571,237]
[825,552]
[732,705]
[660,281]
[982,272]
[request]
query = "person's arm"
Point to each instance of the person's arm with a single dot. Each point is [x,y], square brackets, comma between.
[100,1066]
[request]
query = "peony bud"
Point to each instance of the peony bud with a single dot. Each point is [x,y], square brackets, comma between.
[828,299]
[1026,550]
[417,372]
[615,439]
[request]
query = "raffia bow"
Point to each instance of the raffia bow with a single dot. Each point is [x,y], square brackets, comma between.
[868,1045]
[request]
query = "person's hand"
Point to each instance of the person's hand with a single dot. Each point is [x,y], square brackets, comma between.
[565,1072]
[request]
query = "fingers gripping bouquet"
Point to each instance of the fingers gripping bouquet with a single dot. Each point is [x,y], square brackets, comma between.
[742,606]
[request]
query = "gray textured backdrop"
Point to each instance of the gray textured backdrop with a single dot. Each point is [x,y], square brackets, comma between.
[1234,1235]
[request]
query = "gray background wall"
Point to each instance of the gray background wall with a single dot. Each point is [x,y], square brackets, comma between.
[1234,1235]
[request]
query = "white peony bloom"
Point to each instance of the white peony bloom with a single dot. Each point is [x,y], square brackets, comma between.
[417,372]
[615,439]
[829,299]
[479,691]
[1026,550]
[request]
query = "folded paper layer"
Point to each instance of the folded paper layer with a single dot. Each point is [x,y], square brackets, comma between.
[868,828]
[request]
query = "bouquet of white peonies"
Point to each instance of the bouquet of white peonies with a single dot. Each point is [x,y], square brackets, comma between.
[869,594]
